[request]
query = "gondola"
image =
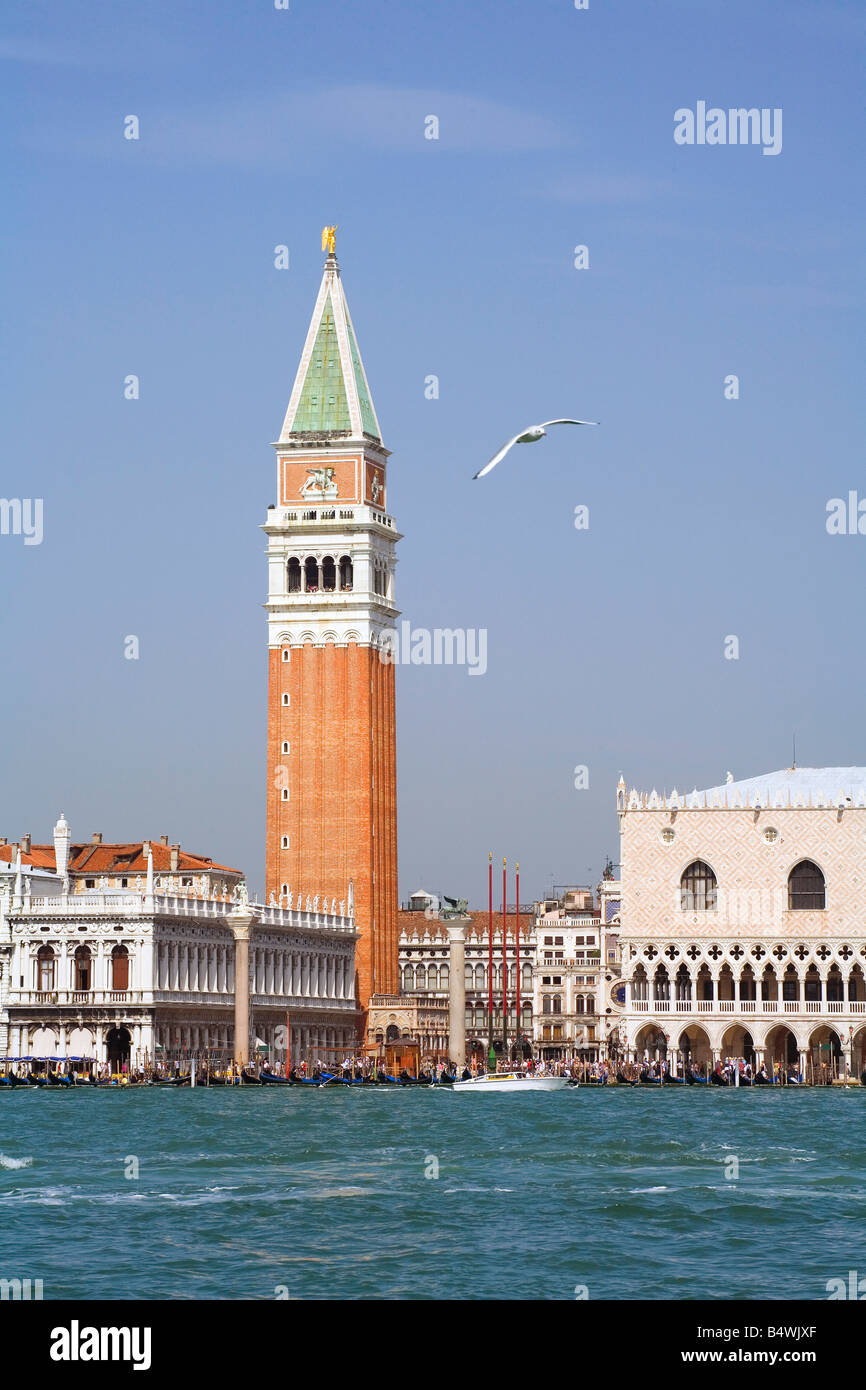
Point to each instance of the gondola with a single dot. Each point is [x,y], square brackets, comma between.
[11,1080]
[269,1078]
[693,1080]
[36,1080]
[248,1079]
[717,1079]
[623,1080]
[165,1081]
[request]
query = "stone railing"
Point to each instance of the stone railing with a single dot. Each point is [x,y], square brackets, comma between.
[169,905]
[746,1006]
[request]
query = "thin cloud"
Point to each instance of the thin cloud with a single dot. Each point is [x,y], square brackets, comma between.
[288,130]
[606,188]
[35,51]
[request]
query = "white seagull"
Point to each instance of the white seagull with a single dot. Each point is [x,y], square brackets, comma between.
[530,436]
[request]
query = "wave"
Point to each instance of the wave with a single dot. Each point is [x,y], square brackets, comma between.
[7,1162]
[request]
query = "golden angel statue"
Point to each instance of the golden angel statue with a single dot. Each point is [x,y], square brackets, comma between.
[329,240]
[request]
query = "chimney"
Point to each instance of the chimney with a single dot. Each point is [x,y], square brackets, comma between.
[4,841]
[25,843]
[97,837]
[175,858]
[61,847]
[163,839]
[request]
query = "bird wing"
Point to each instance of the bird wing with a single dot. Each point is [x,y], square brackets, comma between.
[501,455]
[569,422]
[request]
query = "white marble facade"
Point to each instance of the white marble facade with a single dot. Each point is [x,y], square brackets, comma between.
[145,977]
[743,931]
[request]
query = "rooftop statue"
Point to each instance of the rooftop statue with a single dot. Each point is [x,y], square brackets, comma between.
[329,240]
[457,907]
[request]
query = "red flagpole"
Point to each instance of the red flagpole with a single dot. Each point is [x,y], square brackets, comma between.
[490,1052]
[504,967]
[517,958]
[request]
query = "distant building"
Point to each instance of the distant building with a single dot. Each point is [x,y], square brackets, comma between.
[94,866]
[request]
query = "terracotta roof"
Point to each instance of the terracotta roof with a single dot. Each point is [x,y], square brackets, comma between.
[91,858]
[39,856]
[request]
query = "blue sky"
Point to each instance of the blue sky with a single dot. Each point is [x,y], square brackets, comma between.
[707,515]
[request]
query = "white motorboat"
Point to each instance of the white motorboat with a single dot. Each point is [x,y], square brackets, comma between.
[512,1082]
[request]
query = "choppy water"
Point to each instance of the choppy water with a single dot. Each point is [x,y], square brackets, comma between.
[243,1193]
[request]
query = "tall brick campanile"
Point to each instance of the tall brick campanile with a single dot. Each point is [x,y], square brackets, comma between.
[331,795]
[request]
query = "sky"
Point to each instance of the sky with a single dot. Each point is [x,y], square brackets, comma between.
[608,648]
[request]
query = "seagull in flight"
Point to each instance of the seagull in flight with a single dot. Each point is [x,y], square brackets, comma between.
[530,436]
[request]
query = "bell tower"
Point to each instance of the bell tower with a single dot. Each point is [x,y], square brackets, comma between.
[331,793]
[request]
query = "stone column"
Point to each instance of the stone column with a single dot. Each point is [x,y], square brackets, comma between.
[241,922]
[457,991]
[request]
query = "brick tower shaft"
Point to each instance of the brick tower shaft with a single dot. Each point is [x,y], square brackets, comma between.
[331,791]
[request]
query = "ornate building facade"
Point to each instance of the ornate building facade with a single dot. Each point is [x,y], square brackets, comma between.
[331,793]
[742,928]
[138,976]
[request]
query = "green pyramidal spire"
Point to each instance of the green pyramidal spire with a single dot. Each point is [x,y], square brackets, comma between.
[330,395]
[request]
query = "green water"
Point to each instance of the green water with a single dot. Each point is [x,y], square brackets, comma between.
[325,1194]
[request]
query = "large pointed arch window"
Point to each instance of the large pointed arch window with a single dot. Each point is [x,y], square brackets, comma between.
[806,887]
[698,888]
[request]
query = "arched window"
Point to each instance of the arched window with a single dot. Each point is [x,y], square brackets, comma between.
[83,963]
[698,888]
[557,1004]
[579,1004]
[433,977]
[408,977]
[806,887]
[311,575]
[346,572]
[329,574]
[420,977]
[480,977]
[120,968]
[545,1004]
[526,973]
[294,575]
[45,968]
